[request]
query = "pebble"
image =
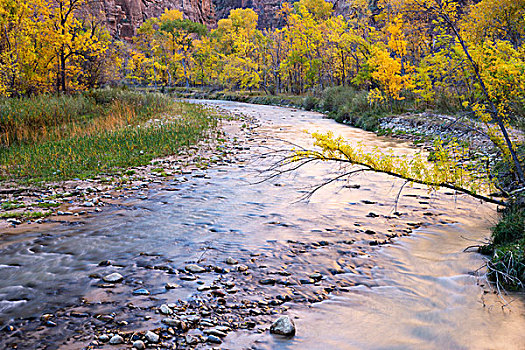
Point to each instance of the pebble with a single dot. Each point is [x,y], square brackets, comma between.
[139,345]
[316,276]
[141,291]
[152,337]
[267,281]
[103,338]
[192,318]
[173,322]
[46,317]
[78,314]
[231,261]
[171,286]
[283,326]
[215,332]
[191,340]
[116,339]
[194,268]
[213,339]
[242,268]
[165,310]
[113,278]
[188,277]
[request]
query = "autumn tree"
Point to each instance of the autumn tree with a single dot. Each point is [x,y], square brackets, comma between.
[182,33]
[236,38]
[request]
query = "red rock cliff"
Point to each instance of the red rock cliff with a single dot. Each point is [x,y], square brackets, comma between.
[123,17]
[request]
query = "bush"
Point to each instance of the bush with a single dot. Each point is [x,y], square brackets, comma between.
[511,227]
[507,266]
[310,103]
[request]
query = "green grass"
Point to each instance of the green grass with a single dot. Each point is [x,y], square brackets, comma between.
[23,215]
[47,205]
[112,145]
[507,248]
[10,205]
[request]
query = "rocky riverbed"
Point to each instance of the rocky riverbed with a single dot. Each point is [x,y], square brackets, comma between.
[213,257]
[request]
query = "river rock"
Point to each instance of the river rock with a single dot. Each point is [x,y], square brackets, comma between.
[165,310]
[173,322]
[213,339]
[194,268]
[103,338]
[116,339]
[188,277]
[139,345]
[113,278]
[267,281]
[141,291]
[152,337]
[231,261]
[316,276]
[215,332]
[242,268]
[283,326]
[171,286]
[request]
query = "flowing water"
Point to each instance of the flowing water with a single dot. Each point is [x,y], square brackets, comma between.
[420,291]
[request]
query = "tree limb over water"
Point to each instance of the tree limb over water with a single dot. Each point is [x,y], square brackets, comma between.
[448,170]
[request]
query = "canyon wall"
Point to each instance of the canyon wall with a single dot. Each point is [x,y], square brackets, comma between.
[123,17]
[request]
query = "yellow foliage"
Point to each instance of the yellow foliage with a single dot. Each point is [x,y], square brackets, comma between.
[447,170]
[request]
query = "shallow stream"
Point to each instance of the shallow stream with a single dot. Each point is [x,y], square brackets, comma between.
[419,291]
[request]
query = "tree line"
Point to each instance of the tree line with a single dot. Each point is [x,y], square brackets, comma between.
[427,50]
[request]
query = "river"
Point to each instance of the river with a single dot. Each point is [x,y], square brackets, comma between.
[417,291]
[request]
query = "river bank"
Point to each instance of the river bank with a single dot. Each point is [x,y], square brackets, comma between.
[130,142]
[218,258]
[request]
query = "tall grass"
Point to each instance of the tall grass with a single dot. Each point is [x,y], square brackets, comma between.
[50,117]
[102,131]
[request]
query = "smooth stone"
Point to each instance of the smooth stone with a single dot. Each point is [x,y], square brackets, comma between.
[190,340]
[173,322]
[139,345]
[231,261]
[188,278]
[316,276]
[113,278]
[141,291]
[165,310]
[215,332]
[46,317]
[171,286]
[213,339]
[116,339]
[242,268]
[194,268]
[152,337]
[267,281]
[283,326]
[191,318]
[103,338]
